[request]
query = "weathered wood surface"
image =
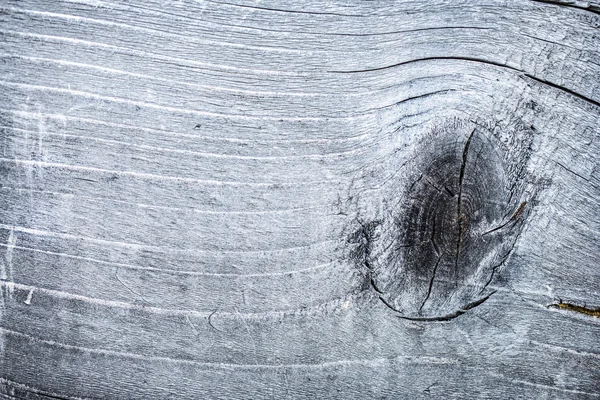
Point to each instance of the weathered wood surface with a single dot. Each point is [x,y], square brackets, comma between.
[299,199]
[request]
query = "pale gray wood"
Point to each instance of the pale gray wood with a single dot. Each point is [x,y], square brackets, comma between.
[211,199]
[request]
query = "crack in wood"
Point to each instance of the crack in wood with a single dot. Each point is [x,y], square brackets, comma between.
[374,286]
[449,317]
[513,218]
[431,282]
[478,60]
[128,288]
[564,89]
[459,216]
[472,59]
[432,238]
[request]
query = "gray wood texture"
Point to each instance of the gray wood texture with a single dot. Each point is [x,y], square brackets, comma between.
[299,199]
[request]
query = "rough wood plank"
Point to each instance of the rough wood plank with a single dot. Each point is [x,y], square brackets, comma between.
[277,199]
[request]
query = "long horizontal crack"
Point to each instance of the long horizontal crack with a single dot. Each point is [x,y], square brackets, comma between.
[479,60]
[473,59]
[281,10]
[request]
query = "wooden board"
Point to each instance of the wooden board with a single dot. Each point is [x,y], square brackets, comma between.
[299,199]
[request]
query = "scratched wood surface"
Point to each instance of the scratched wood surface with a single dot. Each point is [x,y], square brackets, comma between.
[299,199]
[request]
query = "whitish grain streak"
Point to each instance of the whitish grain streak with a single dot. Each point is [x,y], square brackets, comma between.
[542,386]
[145,54]
[287,142]
[161,177]
[105,200]
[347,153]
[149,247]
[351,362]
[40,60]
[11,286]
[143,31]
[120,100]
[556,348]
[172,271]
